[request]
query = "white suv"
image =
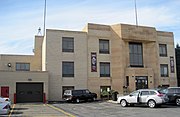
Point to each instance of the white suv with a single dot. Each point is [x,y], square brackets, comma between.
[150,97]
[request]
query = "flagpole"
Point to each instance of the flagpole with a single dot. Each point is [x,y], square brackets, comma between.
[44,31]
[136,13]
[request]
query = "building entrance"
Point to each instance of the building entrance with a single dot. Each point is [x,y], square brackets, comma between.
[141,82]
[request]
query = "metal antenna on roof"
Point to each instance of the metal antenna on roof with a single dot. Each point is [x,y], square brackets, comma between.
[136,12]
[39,32]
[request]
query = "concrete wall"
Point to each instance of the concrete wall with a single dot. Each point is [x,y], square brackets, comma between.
[168,39]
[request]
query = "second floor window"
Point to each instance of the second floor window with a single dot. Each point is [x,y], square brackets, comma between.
[67,44]
[22,66]
[103,46]
[136,54]
[164,70]
[104,69]
[162,50]
[67,69]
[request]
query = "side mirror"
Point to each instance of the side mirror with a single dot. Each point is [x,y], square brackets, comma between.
[130,95]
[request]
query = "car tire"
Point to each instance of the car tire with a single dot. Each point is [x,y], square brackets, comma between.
[178,101]
[151,103]
[77,100]
[123,103]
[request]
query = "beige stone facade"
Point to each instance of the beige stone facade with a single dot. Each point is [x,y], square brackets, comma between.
[49,56]
[9,76]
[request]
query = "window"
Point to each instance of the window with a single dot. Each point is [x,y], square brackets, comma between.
[152,93]
[127,81]
[22,66]
[67,69]
[104,69]
[67,44]
[136,54]
[135,93]
[144,93]
[162,50]
[164,70]
[104,46]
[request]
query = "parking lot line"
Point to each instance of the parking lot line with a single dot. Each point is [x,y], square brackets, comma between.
[60,110]
[11,110]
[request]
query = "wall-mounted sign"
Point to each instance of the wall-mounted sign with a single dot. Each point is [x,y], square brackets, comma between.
[93,62]
[172,64]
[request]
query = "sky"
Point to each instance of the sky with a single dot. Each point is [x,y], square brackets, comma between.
[21,19]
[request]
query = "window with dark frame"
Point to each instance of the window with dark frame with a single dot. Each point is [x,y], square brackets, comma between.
[164,70]
[22,66]
[162,50]
[67,44]
[104,69]
[136,54]
[127,81]
[67,69]
[103,46]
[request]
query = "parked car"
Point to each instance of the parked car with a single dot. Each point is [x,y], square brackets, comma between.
[173,93]
[4,108]
[4,99]
[79,95]
[150,97]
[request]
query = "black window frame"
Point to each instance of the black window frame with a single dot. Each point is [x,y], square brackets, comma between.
[133,53]
[68,44]
[102,49]
[20,66]
[104,65]
[162,66]
[65,66]
[162,50]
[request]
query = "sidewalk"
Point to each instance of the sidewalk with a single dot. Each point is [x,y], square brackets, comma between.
[111,101]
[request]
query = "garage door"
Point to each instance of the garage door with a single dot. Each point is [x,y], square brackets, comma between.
[29,92]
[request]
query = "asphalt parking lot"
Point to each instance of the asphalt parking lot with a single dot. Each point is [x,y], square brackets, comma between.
[36,110]
[108,109]
[91,109]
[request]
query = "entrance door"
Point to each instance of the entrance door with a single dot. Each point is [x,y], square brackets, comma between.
[5,92]
[141,82]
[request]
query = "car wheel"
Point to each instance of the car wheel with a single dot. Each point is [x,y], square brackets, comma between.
[178,101]
[123,103]
[77,100]
[151,103]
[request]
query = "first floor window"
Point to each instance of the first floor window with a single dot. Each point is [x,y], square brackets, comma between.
[67,69]
[104,69]
[164,70]
[22,66]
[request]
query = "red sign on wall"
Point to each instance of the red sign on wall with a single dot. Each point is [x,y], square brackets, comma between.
[93,62]
[172,64]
